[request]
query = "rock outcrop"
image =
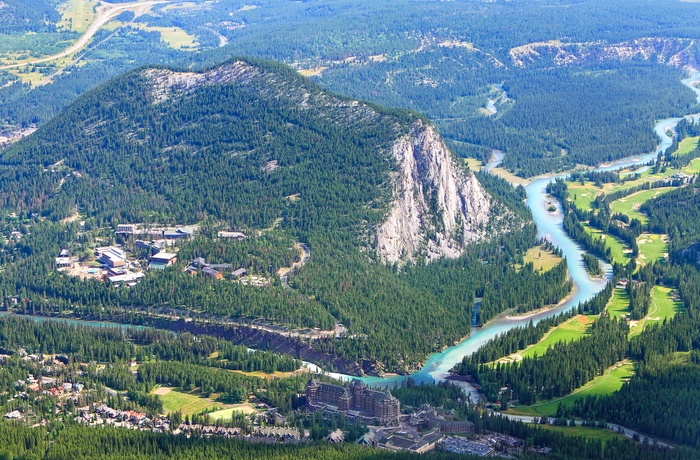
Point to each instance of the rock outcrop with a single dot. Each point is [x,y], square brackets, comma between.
[438,208]
[676,52]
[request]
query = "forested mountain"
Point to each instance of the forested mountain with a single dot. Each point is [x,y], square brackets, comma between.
[556,83]
[252,145]
[248,143]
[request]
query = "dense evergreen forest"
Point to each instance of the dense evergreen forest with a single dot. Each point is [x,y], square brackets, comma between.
[446,61]
[112,345]
[332,159]
[668,352]
[17,16]
[109,443]
[558,372]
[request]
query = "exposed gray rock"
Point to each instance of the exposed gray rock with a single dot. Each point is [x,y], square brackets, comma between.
[438,208]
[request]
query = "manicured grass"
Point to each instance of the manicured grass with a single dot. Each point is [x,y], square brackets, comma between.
[652,248]
[571,330]
[693,167]
[77,15]
[608,383]
[617,247]
[619,304]
[188,403]
[600,434]
[687,145]
[662,307]
[584,195]
[666,306]
[542,259]
[629,205]
[226,414]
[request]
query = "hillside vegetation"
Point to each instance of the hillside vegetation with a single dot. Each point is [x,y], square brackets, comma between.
[254,146]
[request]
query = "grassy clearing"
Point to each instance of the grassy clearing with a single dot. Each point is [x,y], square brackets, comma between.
[77,15]
[687,145]
[175,37]
[608,383]
[188,403]
[629,205]
[314,72]
[474,164]
[571,330]
[510,177]
[662,307]
[652,248]
[600,434]
[618,249]
[584,195]
[693,167]
[619,304]
[667,307]
[264,375]
[226,414]
[542,259]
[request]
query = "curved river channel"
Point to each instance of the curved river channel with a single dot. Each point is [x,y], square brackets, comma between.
[549,226]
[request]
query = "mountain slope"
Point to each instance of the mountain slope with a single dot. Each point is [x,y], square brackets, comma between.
[254,146]
[233,143]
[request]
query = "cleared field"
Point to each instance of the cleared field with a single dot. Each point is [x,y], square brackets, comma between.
[629,205]
[687,145]
[573,329]
[663,306]
[652,248]
[584,195]
[226,414]
[617,247]
[601,434]
[542,259]
[316,71]
[473,163]
[609,382]
[77,15]
[175,37]
[619,304]
[188,403]
[693,167]
[273,375]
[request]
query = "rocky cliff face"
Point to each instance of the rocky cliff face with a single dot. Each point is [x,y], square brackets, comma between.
[437,209]
[676,52]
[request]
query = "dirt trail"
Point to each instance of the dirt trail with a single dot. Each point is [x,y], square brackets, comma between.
[104,14]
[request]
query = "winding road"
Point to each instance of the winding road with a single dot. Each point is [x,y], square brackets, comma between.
[285,272]
[105,13]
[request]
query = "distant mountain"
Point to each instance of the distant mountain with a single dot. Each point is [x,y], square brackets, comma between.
[248,143]
[676,52]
